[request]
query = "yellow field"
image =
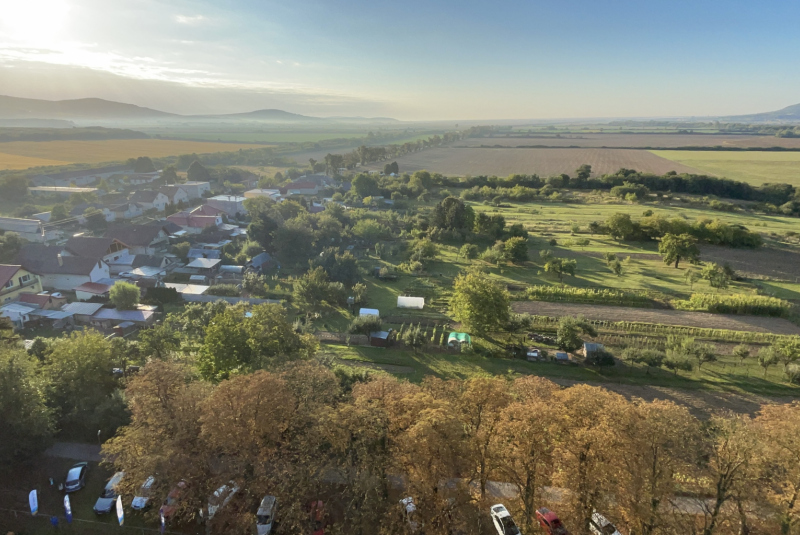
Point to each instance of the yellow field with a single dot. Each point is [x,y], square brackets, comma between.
[14,161]
[755,167]
[24,154]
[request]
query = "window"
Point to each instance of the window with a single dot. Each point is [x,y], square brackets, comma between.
[9,284]
[24,279]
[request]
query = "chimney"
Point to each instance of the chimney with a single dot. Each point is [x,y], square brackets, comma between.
[60,260]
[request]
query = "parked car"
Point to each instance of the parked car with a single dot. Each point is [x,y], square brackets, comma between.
[410,514]
[76,477]
[221,497]
[600,525]
[265,517]
[142,498]
[550,522]
[317,512]
[105,502]
[170,505]
[502,520]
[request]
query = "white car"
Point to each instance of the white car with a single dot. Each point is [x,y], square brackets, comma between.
[502,520]
[410,514]
[600,525]
[142,498]
[221,497]
[265,517]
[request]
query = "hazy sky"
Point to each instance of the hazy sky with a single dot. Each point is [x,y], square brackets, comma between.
[449,59]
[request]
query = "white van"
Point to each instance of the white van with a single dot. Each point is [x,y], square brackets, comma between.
[600,525]
[265,517]
[221,497]
[105,502]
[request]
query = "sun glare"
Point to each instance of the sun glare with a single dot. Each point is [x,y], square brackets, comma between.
[35,22]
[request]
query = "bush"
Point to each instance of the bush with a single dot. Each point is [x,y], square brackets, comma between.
[756,305]
[365,325]
[589,295]
[224,290]
[601,358]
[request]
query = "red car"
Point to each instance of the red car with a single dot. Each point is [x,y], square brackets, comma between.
[170,505]
[317,510]
[550,522]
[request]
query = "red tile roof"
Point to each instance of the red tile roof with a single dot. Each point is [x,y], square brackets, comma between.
[93,288]
[7,271]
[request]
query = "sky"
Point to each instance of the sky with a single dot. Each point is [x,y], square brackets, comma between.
[411,60]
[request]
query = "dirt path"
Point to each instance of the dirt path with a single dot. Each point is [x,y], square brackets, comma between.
[391,368]
[667,317]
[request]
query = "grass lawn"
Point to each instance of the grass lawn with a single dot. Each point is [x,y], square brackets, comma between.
[722,376]
[755,167]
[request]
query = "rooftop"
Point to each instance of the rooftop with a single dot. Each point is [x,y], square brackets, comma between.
[82,309]
[7,271]
[135,235]
[203,263]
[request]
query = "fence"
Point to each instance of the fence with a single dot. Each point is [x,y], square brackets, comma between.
[15,520]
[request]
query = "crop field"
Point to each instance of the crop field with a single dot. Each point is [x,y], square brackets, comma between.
[753,167]
[633,141]
[259,137]
[13,154]
[682,318]
[15,161]
[545,162]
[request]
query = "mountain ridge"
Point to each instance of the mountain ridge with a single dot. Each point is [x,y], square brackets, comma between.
[17,108]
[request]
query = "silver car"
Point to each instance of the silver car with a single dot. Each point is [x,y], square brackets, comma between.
[76,477]
[142,498]
[105,502]
[265,517]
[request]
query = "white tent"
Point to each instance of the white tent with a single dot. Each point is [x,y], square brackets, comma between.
[369,312]
[410,302]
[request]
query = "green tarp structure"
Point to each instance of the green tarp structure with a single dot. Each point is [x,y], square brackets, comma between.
[461,338]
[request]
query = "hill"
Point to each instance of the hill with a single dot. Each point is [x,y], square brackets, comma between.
[789,114]
[35,112]
[83,108]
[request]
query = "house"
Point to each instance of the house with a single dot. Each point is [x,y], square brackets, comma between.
[82,312]
[90,290]
[205,209]
[126,210]
[300,187]
[204,253]
[590,348]
[150,200]
[106,249]
[175,194]
[79,178]
[187,289]
[79,210]
[43,300]
[29,229]
[16,280]
[207,267]
[195,189]
[108,317]
[260,262]
[194,224]
[137,179]
[131,262]
[381,338]
[60,191]
[17,313]
[58,271]
[230,204]
[140,239]
[273,194]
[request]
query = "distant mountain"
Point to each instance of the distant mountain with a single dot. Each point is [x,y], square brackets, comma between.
[789,114]
[83,108]
[99,110]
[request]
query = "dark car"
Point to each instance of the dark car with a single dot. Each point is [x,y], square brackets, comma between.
[76,477]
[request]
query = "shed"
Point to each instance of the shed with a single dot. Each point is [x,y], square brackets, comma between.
[380,338]
[199,279]
[238,270]
[458,340]
[88,290]
[82,312]
[562,356]
[125,328]
[410,302]
[205,266]
[589,348]
[366,312]
[113,316]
